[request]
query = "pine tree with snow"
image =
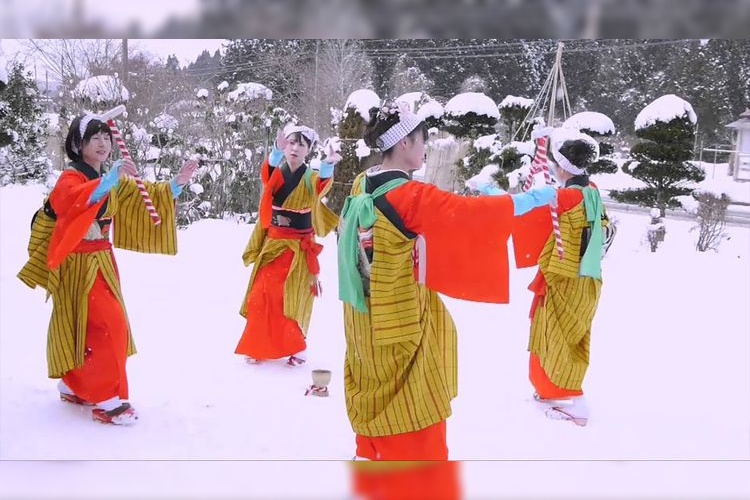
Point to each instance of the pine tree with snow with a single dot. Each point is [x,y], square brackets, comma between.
[470,115]
[513,111]
[667,127]
[350,130]
[22,130]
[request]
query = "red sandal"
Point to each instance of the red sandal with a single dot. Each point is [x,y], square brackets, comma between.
[122,415]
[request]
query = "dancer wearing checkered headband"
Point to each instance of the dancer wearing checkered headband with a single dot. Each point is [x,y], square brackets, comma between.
[401,243]
[284,281]
[566,291]
[71,257]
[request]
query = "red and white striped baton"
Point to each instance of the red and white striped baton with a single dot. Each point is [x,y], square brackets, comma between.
[109,117]
[541,164]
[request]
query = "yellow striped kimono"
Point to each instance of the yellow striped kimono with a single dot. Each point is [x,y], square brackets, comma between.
[261,250]
[561,328]
[69,285]
[400,370]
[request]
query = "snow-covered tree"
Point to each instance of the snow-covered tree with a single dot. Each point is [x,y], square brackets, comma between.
[22,130]
[354,157]
[340,68]
[231,130]
[513,111]
[667,129]
[408,77]
[470,115]
[425,107]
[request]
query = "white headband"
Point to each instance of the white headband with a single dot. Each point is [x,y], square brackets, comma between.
[559,137]
[310,134]
[407,122]
[86,120]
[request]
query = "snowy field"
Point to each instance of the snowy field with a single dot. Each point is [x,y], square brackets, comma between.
[668,386]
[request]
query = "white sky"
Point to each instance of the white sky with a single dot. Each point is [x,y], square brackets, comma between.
[186,50]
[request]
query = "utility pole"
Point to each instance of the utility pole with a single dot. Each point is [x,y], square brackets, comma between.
[124,77]
[593,19]
[315,91]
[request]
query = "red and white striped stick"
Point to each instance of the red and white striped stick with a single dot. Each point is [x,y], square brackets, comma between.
[138,182]
[540,164]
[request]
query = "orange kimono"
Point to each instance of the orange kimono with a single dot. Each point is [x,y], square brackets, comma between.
[564,303]
[279,298]
[401,361]
[70,256]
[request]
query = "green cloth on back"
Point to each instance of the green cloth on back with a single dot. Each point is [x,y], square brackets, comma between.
[358,212]
[591,262]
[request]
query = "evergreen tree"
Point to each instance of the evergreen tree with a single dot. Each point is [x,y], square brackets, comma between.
[508,160]
[469,125]
[206,68]
[661,161]
[22,130]
[513,111]
[278,64]
[350,130]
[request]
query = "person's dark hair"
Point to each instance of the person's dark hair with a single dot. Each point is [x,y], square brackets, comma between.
[380,123]
[580,153]
[74,142]
[299,137]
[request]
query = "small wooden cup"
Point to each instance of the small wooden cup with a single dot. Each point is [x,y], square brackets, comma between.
[321,379]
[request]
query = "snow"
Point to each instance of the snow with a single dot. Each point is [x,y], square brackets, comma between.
[165,122]
[3,64]
[202,93]
[524,148]
[468,102]
[411,98]
[423,105]
[102,89]
[665,109]
[487,142]
[511,100]
[430,109]
[204,408]
[362,150]
[149,173]
[717,181]
[153,153]
[196,188]
[53,122]
[483,178]
[222,86]
[250,91]
[361,101]
[591,120]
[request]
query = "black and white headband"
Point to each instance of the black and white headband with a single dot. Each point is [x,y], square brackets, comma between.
[407,122]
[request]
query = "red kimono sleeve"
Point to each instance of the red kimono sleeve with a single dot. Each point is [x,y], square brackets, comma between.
[70,201]
[465,239]
[531,231]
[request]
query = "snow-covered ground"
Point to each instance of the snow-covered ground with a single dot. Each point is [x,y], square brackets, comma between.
[669,381]
[716,181]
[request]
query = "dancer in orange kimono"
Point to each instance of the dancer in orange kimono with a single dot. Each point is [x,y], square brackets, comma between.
[71,257]
[284,281]
[401,243]
[566,291]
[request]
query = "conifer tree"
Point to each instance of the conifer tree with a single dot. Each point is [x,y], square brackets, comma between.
[22,130]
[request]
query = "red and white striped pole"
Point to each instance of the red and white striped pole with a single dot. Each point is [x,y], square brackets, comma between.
[109,116]
[541,164]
